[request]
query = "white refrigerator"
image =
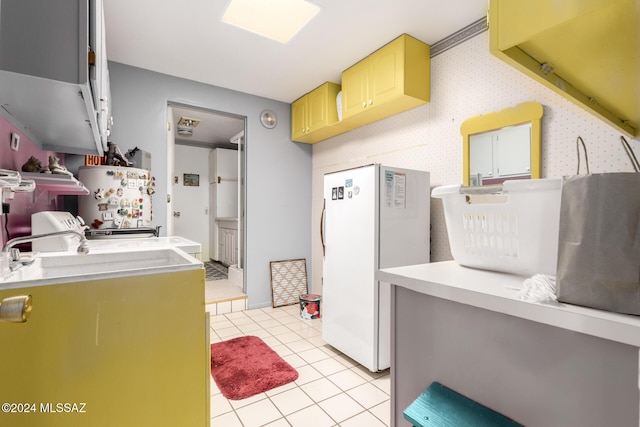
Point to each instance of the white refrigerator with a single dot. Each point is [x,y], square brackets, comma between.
[373,217]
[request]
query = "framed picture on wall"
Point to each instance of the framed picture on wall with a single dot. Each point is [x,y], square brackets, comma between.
[191,180]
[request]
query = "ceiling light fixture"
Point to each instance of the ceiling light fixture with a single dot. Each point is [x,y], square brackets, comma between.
[186,125]
[279,20]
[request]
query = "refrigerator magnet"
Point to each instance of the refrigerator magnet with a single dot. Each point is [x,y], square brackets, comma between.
[340,193]
[334,193]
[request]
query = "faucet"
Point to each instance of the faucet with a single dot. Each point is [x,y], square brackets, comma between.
[83,248]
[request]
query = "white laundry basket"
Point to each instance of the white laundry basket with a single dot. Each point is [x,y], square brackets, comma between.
[511,227]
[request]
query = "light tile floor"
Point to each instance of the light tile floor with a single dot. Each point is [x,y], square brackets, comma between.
[331,390]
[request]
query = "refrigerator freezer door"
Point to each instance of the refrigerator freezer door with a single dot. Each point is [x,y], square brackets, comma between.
[404,217]
[349,288]
[403,239]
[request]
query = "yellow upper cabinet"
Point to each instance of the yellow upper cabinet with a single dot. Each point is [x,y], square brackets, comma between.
[393,79]
[313,115]
[588,51]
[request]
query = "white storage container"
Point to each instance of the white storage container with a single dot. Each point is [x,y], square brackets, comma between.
[511,227]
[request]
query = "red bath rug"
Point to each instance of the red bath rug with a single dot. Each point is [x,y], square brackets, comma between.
[245,366]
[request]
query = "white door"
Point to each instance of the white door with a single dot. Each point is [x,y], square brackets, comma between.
[191,196]
[349,292]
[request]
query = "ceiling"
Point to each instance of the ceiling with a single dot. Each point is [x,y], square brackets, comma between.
[215,130]
[187,39]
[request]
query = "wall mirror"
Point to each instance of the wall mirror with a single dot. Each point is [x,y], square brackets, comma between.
[502,145]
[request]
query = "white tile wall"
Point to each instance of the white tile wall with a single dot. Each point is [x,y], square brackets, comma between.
[465,81]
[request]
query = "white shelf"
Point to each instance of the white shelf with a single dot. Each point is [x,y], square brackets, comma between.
[56,184]
[498,292]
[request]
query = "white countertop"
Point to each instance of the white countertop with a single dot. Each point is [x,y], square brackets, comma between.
[120,244]
[50,268]
[495,291]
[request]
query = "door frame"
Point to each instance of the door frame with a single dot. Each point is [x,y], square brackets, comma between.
[242,172]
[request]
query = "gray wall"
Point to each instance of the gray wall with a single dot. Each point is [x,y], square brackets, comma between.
[278,178]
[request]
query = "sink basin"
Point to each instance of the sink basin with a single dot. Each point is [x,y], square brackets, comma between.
[56,267]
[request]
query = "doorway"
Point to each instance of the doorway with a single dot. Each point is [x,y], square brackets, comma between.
[200,141]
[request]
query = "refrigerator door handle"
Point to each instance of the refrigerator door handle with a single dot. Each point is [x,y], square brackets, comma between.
[324,208]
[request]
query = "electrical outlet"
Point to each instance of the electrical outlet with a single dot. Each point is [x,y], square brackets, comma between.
[15,141]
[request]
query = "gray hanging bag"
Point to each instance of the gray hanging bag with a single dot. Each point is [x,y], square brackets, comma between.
[599,240]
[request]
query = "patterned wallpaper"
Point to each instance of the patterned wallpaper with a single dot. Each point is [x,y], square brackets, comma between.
[465,81]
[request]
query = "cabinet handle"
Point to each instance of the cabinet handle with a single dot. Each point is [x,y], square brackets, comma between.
[370,101]
[324,209]
[364,104]
[306,130]
[15,309]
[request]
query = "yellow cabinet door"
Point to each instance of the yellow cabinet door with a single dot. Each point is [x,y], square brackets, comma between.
[386,73]
[123,352]
[314,115]
[299,118]
[355,89]
[318,108]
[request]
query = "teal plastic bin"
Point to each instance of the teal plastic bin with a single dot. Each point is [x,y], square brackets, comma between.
[439,406]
